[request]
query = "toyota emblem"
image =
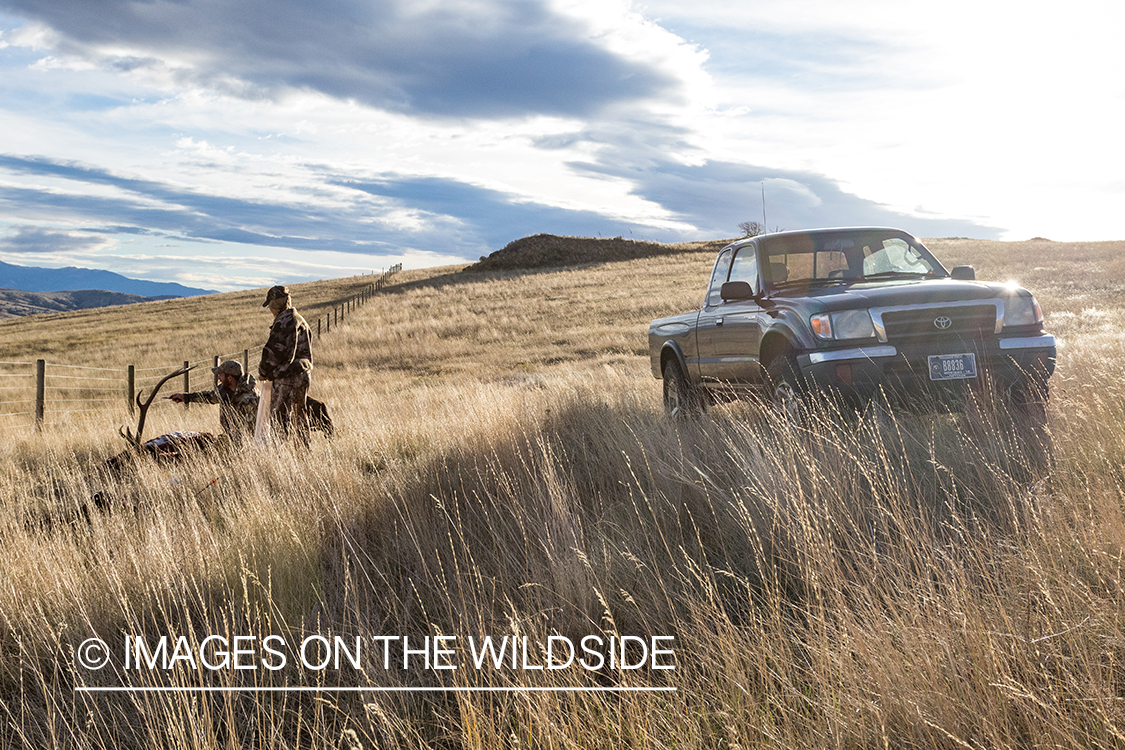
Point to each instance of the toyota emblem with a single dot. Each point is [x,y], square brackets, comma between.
[943,322]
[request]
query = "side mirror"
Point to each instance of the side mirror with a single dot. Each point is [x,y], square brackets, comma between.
[964,273]
[735,291]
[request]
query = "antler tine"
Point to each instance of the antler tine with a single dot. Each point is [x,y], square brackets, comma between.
[136,440]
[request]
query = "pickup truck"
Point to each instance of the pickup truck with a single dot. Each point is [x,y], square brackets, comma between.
[850,313]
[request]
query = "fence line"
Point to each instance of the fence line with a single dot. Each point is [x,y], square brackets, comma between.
[84,400]
[71,389]
[79,377]
[84,367]
[130,379]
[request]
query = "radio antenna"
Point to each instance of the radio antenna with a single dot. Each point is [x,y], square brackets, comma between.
[765,226]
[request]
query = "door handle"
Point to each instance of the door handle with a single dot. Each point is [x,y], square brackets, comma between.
[718,322]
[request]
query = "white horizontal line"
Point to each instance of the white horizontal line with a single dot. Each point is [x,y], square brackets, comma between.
[866,352]
[308,689]
[1029,342]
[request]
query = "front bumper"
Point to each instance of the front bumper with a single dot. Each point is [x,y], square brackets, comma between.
[901,369]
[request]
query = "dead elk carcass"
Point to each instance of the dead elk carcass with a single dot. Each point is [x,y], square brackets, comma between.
[169,447]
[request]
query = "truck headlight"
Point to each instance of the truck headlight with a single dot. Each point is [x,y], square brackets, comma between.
[1022,311]
[846,324]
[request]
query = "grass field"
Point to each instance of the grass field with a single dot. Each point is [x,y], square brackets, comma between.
[503,468]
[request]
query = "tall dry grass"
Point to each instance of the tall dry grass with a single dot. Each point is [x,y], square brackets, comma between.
[503,468]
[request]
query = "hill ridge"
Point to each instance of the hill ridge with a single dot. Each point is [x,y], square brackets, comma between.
[550,250]
[73,278]
[16,303]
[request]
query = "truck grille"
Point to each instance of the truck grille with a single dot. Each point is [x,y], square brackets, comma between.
[939,322]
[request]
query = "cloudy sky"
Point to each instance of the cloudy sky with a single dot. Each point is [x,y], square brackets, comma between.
[235,143]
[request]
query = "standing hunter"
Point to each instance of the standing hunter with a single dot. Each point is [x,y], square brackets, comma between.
[287,360]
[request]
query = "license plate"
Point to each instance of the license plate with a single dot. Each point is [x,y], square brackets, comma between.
[953,366]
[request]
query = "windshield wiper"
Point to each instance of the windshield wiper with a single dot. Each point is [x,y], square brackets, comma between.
[897,275]
[809,283]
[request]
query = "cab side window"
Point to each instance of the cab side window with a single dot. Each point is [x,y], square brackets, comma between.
[745,267]
[718,278]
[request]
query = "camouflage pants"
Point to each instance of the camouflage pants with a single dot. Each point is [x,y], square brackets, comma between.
[287,407]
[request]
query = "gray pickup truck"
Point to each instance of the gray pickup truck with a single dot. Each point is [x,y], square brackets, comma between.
[850,313]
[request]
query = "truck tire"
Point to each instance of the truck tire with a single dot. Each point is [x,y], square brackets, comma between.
[681,399]
[787,391]
[1029,400]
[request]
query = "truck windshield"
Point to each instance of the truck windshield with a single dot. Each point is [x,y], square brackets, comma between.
[846,256]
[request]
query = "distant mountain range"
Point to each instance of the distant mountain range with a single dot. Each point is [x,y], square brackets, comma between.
[27,290]
[31,279]
[16,302]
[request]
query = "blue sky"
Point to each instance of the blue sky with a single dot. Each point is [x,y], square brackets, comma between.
[230,144]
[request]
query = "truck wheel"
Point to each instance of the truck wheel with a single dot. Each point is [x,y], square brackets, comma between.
[681,399]
[1029,408]
[1029,401]
[787,391]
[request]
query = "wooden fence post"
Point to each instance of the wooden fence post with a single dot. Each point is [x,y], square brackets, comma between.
[131,388]
[245,361]
[318,326]
[40,391]
[215,375]
[187,383]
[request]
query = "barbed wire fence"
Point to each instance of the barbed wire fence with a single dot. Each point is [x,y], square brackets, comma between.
[30,390]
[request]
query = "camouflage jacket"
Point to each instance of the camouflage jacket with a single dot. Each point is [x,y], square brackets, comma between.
[238,409]
[288,352]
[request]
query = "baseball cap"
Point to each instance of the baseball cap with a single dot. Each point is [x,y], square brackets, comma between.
[230,367]
[275,293]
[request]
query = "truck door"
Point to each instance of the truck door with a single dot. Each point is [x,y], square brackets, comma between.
[737,331]
[709,320]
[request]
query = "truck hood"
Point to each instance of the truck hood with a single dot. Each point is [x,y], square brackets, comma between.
[901,292]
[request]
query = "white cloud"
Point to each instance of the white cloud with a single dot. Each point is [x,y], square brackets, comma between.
[35,36]
[973,109]
[378,126]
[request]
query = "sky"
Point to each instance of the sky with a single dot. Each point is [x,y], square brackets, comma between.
[229,145]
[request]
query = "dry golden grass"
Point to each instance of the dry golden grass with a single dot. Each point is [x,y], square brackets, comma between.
[503,467]
[159,333]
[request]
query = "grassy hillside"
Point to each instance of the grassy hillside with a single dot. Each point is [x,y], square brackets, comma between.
[549,251]
[503,468]
[164,331]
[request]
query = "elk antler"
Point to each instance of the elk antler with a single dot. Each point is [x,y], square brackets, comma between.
[125,432]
